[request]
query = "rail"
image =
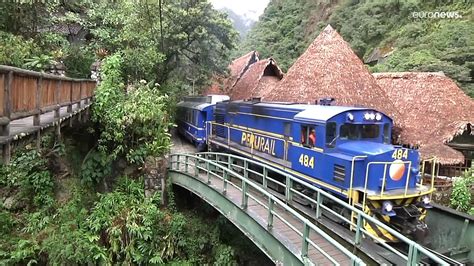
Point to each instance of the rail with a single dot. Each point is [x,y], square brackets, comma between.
[230,161]
[26,93]
[247,186]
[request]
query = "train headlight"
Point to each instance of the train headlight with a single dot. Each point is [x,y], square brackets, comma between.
[366,116]
[378,116]
[350,117]
[387,208]
[372,116]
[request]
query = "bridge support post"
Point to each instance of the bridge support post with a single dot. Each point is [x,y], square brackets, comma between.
[5,127]
[38,140]
[155,175]
[6,152]
[57,131]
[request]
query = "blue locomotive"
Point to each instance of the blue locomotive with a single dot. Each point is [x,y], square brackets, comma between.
[193,115]
[344,150]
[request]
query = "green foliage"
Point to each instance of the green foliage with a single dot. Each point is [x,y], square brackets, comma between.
[39,63]
[14,50]
[190,39]
[461,196]
[78,61]
[224,256]
[28,171]
[134,123]
[6,222]
[95,167]
[279,33]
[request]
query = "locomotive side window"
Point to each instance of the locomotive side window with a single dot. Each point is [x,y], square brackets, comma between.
[386,133]
[308,136]
[330,134]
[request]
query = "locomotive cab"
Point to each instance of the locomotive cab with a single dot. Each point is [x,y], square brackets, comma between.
[358,159]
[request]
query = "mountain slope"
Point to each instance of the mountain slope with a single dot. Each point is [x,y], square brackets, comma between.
[387,33]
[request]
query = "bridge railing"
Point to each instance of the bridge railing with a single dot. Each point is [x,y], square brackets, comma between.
[193,164]
[26,93]
[289,186]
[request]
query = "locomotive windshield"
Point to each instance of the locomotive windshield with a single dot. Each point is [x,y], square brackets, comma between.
[354,131]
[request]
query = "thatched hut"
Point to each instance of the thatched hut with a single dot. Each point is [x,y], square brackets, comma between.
[329,68]
[238,67]
[438,116]
[222,85]
[260,76]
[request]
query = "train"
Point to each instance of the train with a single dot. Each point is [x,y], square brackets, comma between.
[192,116]
[346,151]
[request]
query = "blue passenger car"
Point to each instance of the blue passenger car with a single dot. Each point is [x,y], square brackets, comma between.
[344,150]
[193,115]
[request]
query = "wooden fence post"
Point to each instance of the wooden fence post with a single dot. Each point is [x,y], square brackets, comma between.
[80,95]
[7,104]
[69,107]
[38,95]
[57,99]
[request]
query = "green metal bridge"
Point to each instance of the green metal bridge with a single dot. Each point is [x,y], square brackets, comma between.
[269,219]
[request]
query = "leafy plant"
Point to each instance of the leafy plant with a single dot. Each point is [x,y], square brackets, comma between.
[461,194]
[29,172]
[96,166]
[39,63]
[134,123]
[14,50]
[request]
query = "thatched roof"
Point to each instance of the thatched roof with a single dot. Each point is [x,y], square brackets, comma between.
[329,68]
[239,66]
[260,76]
[433,108]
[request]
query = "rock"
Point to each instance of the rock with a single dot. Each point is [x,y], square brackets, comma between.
[14,202]
[9,203]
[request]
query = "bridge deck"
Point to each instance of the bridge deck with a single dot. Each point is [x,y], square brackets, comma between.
[24,126]
[283,232]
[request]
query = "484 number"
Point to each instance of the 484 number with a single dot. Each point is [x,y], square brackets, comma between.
[306,161]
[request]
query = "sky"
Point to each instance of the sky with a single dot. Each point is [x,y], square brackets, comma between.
[249,8]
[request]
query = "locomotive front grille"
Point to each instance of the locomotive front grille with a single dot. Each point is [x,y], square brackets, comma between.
[339,173]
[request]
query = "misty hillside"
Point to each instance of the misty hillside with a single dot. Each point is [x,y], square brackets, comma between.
[241,23]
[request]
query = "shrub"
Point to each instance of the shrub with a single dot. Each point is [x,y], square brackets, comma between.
[461,194]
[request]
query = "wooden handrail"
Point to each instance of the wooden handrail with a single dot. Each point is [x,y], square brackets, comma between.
[26,93]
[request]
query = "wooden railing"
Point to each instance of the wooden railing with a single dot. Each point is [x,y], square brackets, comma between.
[26,93]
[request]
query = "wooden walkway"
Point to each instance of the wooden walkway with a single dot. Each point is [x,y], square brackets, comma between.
[32,101]
[283,232]
[23,127]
